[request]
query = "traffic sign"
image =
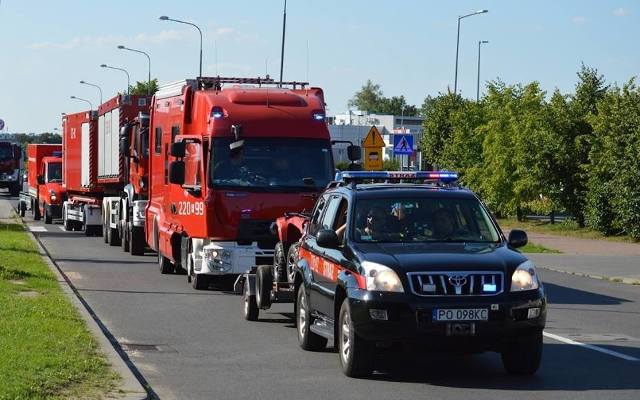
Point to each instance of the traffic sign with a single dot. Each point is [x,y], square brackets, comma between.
[373,139]
[403,144]
[373,158]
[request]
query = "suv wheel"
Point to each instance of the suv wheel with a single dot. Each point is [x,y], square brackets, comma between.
[307,339]
[356,354]
[251,310]
[523,356]
[264,284]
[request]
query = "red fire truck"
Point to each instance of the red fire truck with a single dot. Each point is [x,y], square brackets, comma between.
[10,158]
[225,162]
[45,193]
[95,172]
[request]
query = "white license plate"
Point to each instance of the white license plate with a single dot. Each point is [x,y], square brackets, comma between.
[460,314]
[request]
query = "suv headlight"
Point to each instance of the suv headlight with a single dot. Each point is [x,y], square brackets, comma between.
[381,278]
[524,277]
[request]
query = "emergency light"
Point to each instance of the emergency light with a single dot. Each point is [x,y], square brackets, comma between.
[442,176]
[318,116]
[217,113]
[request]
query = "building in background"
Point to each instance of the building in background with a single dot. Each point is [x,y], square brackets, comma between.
[355,125]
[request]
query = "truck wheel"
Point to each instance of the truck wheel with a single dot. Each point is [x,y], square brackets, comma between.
[164,264]
[356,354]
[23,208]
[279,263]
[136,242]
[292,260]
[68,225]
[251,310]
[14,190]
[264,284]
[105,230]
[200,281]
[307,339]
[47,216]
[124,239]
[523,356]
[114,237]
[36,211]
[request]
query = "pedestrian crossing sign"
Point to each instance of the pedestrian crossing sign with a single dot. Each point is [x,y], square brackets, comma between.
[403,144]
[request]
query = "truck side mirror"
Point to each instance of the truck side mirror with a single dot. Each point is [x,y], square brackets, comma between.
[176,172]
[327,238]
[236,131]
[125,133]
[517,238]
[354,153]
[178,149]
[40,180]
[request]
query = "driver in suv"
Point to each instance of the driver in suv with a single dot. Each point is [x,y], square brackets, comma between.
[443,276]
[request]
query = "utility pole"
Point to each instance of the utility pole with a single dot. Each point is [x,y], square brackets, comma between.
[284,26]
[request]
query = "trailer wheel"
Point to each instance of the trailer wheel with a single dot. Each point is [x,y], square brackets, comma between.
[279,263]
[114,237]
[264,284]
[200,281]
[251,310]
[136,241]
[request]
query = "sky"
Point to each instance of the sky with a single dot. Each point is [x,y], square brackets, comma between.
[406,46]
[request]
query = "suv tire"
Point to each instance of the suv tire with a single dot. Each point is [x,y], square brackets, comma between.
[308,340]
[356,354]
[523,356]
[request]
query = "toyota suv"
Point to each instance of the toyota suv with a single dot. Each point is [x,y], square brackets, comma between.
[412,257]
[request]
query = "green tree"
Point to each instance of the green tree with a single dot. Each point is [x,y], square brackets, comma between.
[370,99]
[140,88]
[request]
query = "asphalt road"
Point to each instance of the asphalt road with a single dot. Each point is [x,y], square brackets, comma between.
[189,344]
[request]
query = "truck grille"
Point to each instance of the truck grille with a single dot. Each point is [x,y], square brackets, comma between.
[456,283]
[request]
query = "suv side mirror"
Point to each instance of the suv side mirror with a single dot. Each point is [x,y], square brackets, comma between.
[517,238]
[178,149]
[354,153]
[176,172]
[327,238]
[40,180]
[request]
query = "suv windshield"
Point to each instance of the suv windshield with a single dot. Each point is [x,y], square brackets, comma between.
[6,153]
[275,164]
[423,219]
[54,172]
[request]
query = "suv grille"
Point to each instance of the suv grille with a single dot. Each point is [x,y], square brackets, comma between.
[456,283]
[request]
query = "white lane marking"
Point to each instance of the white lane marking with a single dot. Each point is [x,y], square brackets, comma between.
[61,228]
[590,347]
[37,229]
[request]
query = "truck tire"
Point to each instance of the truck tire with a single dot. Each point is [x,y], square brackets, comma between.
[136,242]
[523,356]
[264,284]
[279,263]
[251,310]
[308,340]
[124,237]
[23,208]
[68,225]
[14,189]
[292,261]
[114,237]
[356,354]
[47,216]
[200,281]
[35,210]
[164,264]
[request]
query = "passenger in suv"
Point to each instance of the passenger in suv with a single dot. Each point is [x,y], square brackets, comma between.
[442,276]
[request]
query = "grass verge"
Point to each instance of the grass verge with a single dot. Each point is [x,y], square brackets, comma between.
[46,350]
[536,248]
[564,228]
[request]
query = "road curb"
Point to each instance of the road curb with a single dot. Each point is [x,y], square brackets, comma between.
[131,388]
[615,279]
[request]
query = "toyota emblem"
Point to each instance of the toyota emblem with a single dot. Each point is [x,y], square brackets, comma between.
[458,280]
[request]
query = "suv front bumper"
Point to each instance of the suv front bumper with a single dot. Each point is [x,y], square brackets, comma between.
[409,319]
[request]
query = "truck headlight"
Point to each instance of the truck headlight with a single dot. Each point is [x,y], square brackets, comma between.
[381,278]
[525,277]
[217,258]
[53,195]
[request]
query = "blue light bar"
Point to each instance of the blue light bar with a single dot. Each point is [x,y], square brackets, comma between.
[442,176]
[217,112]
[318,116]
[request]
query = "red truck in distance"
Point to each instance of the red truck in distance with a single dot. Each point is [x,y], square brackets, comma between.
[45,192]
[10,157]
[225,162]
[95,173]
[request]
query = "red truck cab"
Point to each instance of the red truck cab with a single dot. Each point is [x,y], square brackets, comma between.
[10,157]
[45,180]
[224,164]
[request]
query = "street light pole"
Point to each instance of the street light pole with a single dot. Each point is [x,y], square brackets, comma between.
[85,100]
[455,82]
[120,69]
[165,18]
[95,86]
[480,43]
[121,47]
[284,26]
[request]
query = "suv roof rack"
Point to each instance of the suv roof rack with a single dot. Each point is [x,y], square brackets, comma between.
[215,82]
[437,178]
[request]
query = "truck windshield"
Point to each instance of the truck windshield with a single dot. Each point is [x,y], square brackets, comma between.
[54,172]
[6,153]
[423,219]
[272,164]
